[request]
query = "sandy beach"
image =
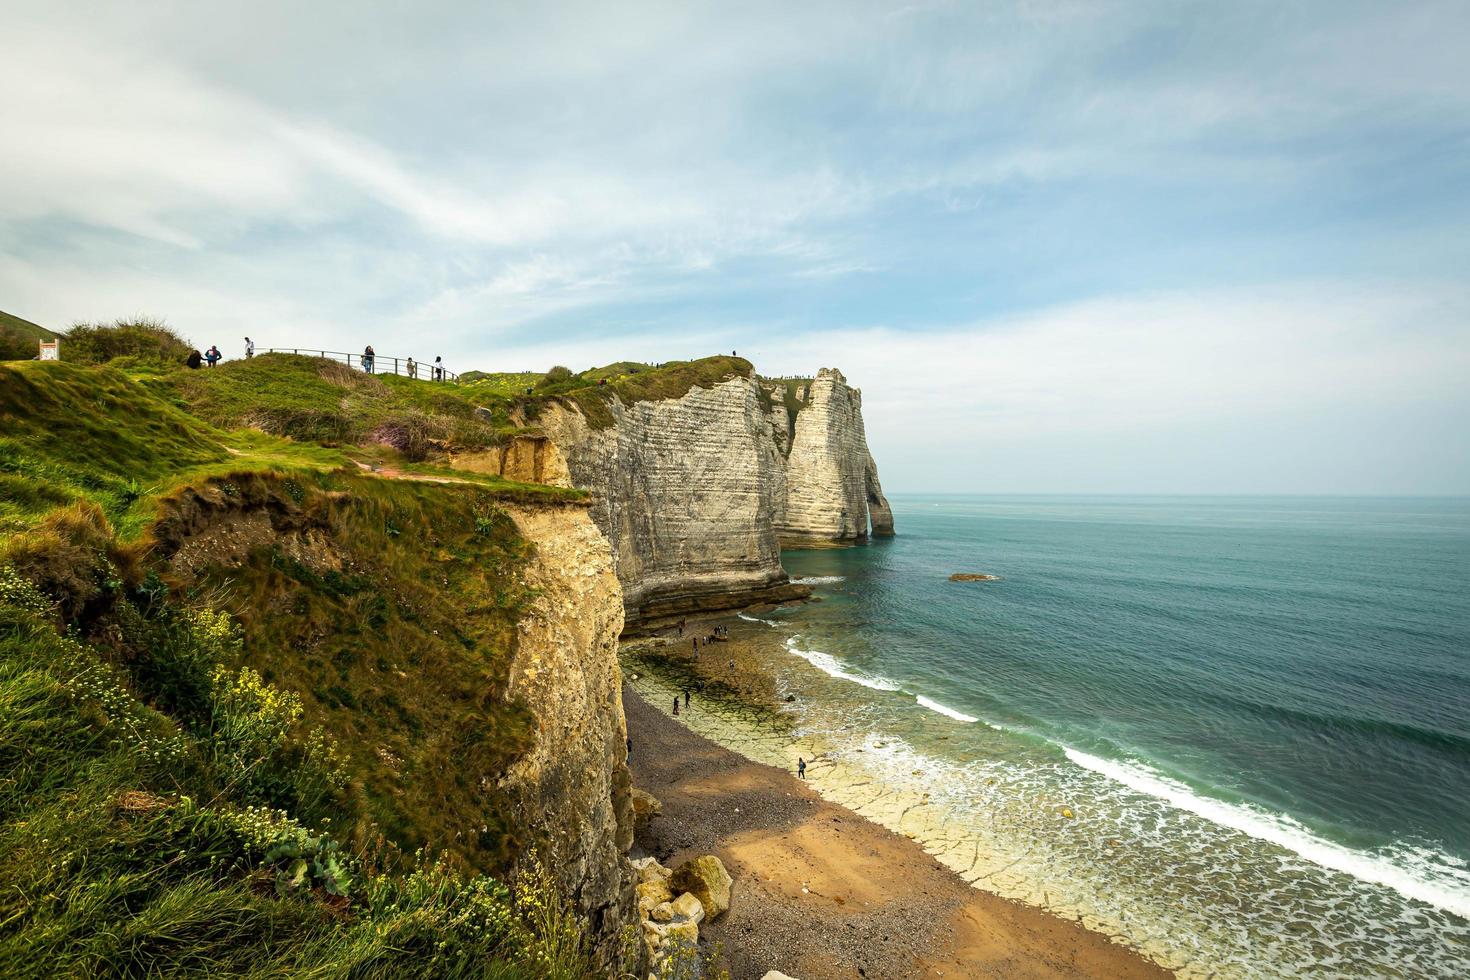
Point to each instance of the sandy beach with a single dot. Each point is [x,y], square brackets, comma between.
[823,893]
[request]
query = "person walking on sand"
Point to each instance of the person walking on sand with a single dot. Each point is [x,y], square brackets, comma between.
[367,358]
[800,768]
[676,705]
[249,348]
[629,756]
[686,699]
[212,355]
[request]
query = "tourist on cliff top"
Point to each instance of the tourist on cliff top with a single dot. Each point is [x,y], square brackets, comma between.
[249,348]
[367,358]
[193,360]
[413,369]
[438,368]
[212,355]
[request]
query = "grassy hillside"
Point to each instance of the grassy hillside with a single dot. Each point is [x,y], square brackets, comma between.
[252,700]
[19,338]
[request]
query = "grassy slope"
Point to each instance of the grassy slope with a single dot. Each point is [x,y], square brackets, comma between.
[388,608]
[18,338]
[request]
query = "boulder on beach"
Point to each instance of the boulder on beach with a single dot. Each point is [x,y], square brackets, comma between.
[652,894]
[707,880]
[645,806]
[685,908]
[776,975]
[973,577]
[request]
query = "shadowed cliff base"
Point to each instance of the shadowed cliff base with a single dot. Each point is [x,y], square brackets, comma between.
[820,893]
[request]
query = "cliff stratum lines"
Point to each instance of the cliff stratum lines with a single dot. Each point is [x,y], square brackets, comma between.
[697,484]
[309,672]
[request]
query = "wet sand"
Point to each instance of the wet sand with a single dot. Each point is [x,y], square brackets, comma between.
[823,893]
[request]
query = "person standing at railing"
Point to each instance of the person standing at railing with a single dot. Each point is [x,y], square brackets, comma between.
[413,369]
[438,368]
[249,348]
[367,358]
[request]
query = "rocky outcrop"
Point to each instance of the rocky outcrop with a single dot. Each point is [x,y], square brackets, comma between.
[685,490]
[527,459]
[573,788]
[832,492]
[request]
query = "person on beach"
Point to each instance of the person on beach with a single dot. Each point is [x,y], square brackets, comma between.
[249,348]
[629,756]
[413,370]
[676,705]
[367,358]
[800,768]
[212,355]
[686,699]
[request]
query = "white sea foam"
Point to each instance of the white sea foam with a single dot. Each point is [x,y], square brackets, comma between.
[820,580]
[948,712]
[1424,876]
[829,665]
[757,619]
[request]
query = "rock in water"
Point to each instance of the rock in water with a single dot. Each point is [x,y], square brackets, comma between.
[973,577]
[707,880]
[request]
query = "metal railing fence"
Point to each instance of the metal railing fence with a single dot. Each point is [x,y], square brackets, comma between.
[381,364]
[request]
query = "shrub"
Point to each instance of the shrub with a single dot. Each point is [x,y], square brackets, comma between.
[143,339]
[556,375]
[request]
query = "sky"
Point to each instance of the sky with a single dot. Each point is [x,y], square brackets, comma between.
[1062,247]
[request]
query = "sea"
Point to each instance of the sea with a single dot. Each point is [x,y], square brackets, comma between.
[1230,732]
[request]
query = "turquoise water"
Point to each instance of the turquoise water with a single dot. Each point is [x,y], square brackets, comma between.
[1256,709]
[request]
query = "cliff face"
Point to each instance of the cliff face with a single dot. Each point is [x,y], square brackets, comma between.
[697,493]
[573,786]
[832,492]
[536,743]
[684,489]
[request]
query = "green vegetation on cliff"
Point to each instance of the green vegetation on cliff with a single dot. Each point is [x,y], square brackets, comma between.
[253,700]
[593,390]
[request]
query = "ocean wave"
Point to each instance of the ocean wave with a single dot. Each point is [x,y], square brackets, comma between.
[948,712]
[830,666]
[820,580]
[757,619]
[1416,873]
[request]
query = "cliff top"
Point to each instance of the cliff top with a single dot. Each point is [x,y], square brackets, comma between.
[124,438]
[591,391]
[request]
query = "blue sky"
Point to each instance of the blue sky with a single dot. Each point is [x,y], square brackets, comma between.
[1062,247]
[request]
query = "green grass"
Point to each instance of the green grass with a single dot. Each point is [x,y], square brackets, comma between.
[140,839]
[628,381]
[308,398]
